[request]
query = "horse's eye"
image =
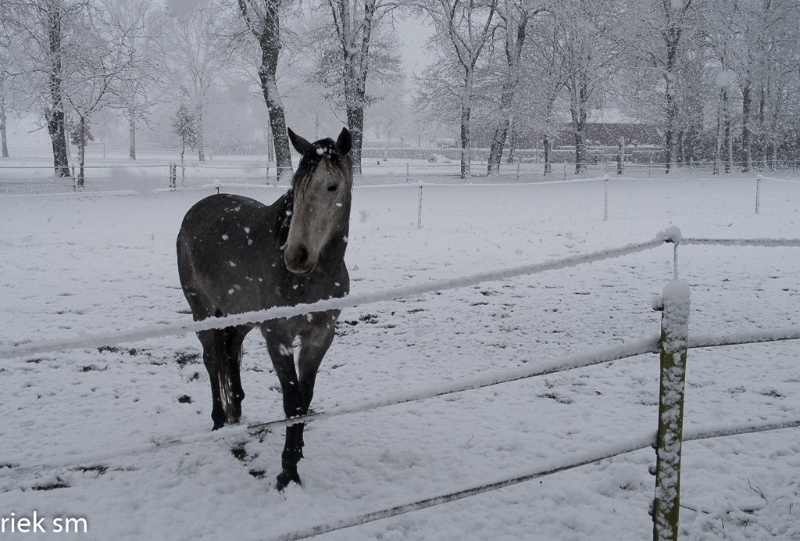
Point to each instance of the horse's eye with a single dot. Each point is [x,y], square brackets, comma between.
[333,187]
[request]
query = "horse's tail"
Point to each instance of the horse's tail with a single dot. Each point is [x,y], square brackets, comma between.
[223,355]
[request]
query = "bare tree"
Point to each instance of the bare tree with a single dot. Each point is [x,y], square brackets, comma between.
[196,58]
[467,26]
[544,74]
[262,18]
[356,23]
[184,124]
[92,68]
[591,60]
[45,36]
[514,15]
[134,28]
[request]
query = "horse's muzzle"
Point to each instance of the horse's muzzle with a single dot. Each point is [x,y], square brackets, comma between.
[298,260]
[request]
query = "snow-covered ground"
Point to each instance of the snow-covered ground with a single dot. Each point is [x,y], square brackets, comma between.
[72,264]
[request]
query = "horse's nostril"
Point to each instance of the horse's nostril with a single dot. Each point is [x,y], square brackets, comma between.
[302,254]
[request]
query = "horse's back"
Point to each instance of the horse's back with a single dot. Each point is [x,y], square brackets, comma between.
[224,246]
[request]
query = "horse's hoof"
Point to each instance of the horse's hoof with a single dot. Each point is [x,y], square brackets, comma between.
[285,476]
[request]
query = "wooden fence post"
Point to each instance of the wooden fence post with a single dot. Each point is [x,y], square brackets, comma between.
[674,343]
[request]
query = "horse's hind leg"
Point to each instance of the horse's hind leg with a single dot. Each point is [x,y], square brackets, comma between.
[233,338]
[211,358]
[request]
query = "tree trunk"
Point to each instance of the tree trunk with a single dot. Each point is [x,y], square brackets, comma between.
[266,28]
[512,143]
[355,37]
[466,110]
[672,38]
[55,114]
[726,122]
[355,123]
[578,110]
[747,100]
[277,122]
[201,155]
[718,139]
[132,132]
[498,142]
[3,140]
[514,41]
[81,148]
[548,168]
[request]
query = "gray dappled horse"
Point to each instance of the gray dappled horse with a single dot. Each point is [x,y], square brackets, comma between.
[237,255]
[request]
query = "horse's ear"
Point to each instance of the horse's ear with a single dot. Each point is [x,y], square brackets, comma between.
[299,144]
[344,143]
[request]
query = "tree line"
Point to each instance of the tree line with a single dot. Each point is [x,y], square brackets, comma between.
[719,79]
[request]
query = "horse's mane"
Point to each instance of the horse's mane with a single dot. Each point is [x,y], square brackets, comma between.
[324,148]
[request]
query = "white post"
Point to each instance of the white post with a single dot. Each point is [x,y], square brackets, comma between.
[419,209]
[758,193]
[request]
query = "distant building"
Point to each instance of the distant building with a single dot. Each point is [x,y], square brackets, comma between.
[604,127]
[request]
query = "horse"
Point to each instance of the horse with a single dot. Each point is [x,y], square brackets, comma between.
[238,255]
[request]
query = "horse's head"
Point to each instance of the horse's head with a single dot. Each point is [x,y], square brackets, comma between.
[322,189]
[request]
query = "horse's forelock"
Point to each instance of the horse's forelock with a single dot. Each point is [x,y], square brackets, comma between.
[324,148]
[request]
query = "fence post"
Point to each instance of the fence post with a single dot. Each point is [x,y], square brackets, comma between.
[605,196]
[518,170]
[674,343]
[758,193]
[565,170]
[419,208]
[173,175]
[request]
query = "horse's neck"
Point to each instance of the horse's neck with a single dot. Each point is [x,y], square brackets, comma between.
[285,207]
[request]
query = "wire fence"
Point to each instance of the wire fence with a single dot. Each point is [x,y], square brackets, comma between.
[672,345]
[112,176]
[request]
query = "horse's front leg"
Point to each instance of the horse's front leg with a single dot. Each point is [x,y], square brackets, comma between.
[279,346]
[314,343]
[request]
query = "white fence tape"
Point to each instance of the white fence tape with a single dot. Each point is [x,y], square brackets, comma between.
[545,468]
[134,335]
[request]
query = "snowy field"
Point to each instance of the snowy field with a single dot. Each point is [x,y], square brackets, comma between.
[83,263]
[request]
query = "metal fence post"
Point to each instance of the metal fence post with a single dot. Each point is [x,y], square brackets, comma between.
[674,342]
[758,193]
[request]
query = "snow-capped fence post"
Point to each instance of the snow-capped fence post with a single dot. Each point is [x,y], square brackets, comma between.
[674,304]
[758,193]
[419,208]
